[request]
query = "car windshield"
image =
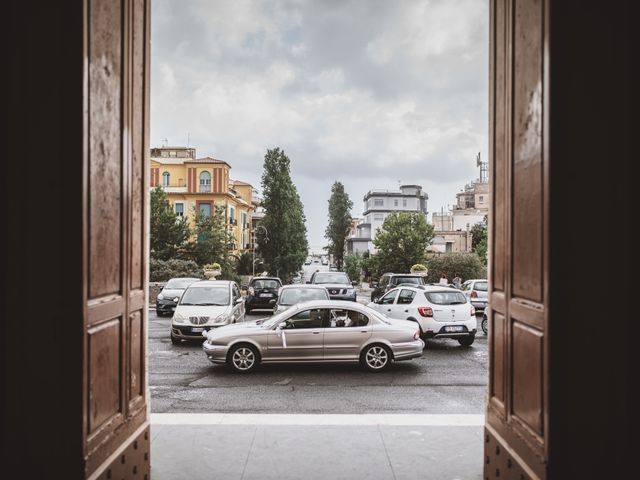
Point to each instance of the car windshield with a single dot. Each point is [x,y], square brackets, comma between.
[292,296]
[180,283]
[331,277]
[445,298]
[412,280]
[265,284]
[206,296]
[481,286]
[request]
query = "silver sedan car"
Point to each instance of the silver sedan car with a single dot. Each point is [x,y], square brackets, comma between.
[316,331]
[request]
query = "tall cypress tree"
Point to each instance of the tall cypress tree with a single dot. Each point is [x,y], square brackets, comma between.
[339,222]
[282,243]
[169,233]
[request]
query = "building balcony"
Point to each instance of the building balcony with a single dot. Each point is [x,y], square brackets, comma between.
[171,189]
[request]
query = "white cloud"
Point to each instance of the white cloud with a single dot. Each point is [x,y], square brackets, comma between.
[364,92]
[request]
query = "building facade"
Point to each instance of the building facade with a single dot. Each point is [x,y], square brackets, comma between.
[204,184]
[378,204]
[452,228]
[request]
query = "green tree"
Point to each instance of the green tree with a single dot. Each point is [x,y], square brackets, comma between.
[339,222]
[353,266]
[402,241]
[169,233]
[479,240]
[244,265]
[465,265]
[282,243]
[212,240]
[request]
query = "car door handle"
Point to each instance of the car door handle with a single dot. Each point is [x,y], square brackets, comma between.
[364,331]
[406,311]
[315,333]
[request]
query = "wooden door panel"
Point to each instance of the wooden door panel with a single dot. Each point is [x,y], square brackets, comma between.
[516,436]
[527,376]
[105,153]
[115,244]
[527,150]
[104,374]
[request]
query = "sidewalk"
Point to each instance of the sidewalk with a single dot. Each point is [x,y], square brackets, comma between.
[309,447]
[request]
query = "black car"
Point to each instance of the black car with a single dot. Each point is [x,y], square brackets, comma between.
[389,281]
[262,292]
[337,284]
[168,297]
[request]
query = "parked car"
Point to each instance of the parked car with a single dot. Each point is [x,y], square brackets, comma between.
[261,291]
[168,297]
[206,305]
[485,322]
[389,281]
[337,284]
[291,295]
[477,291]
[441,312]
[317,331]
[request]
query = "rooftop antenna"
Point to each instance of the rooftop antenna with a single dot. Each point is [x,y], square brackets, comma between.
[188,139]
[165,142]
[484,169]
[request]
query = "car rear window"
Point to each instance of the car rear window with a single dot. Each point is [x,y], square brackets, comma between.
[445,298]
[265,284]
[412,280]
[331,277]
[481,286]
[180,283]
[292,296]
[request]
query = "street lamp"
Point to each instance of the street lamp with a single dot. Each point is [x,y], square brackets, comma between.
[253,264]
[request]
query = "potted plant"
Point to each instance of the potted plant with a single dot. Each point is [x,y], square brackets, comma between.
[419,269]
[212,270]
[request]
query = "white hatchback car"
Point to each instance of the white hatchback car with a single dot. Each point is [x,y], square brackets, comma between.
[441,312]
[477,291]
[205,305]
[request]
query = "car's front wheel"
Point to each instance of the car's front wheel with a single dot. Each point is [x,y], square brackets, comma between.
[375,358]
[467,341]
[484,325]
[243,358]
[175,340]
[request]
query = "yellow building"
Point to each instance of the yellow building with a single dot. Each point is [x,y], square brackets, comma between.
[203,183]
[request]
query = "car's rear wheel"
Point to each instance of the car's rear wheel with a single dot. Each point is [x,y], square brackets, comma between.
[467,341]
[484,325]
[375,358]
[243,358]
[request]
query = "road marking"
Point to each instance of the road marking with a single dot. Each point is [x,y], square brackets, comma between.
[436,420]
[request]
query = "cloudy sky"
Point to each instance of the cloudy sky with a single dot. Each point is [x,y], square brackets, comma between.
[367,92]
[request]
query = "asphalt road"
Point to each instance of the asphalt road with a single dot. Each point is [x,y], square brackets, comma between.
[446,379]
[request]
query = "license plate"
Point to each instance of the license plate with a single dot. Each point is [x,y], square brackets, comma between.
[266,294]
[454,329]
[197,330]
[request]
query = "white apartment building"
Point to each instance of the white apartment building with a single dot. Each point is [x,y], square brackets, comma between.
[380,203]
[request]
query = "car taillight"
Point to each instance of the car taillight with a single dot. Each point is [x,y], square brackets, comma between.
[251,291]
[425,311]
[474,294]
[473,311]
